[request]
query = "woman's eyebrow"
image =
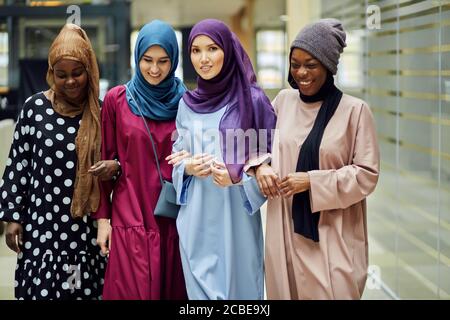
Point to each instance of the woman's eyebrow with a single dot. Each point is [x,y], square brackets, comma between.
[150,57]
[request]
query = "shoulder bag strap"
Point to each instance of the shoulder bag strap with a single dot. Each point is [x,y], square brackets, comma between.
[151,139]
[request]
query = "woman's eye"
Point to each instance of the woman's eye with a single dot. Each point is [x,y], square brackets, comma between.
[295,66]
[212,48]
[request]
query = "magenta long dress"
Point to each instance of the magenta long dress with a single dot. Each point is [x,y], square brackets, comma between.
[144,260]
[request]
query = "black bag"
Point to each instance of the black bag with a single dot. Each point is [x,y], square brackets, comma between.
[167,202]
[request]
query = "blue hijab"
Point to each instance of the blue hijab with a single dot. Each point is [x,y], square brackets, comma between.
[158,102]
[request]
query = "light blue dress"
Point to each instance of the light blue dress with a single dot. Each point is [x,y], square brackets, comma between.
[220,231]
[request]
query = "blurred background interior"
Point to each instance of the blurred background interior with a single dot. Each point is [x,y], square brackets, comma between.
[397,59]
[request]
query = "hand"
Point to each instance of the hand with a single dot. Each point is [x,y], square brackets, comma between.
[104,236]
[220,174]
[268,181]
[14,236]
[294,183]
[199,165]
[105,169]
[176,157]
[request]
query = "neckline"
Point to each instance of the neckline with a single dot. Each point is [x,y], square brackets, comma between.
[310,106]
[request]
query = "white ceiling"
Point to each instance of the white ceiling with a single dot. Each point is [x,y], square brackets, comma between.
[181,13]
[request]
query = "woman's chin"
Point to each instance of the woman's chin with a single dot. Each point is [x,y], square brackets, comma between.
[75,98]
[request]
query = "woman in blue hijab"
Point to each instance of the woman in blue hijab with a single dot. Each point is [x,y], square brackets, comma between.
[144,259]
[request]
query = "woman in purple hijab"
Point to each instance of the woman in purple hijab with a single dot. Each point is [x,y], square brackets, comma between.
[226,123]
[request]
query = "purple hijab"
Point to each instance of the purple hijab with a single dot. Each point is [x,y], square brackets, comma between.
[235,86]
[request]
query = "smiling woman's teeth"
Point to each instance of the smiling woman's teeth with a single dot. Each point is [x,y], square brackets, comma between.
[305,83]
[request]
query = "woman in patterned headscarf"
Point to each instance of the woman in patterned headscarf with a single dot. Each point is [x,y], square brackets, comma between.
[47,193]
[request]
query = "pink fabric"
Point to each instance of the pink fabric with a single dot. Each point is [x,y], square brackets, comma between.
[335,267]
[144,261]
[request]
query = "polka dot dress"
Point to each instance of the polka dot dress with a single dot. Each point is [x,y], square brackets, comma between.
[59,258]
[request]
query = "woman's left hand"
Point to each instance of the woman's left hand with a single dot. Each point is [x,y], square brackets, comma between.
[220,174]
[105,169]
[294,183]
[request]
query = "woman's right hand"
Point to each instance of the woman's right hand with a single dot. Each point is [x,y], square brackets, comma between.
[104,236]
[199,165]
[176,157]
[14,236]
[267,181]
[105,170]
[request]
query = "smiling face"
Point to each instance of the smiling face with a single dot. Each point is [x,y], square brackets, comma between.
[155,65]
[308,72]
[207,57]
[71,80]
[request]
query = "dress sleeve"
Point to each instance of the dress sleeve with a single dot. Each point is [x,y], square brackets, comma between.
[109,152]
[251,195]
[14,187]
[341,188]
[181,182]
[275,103]
[265,122]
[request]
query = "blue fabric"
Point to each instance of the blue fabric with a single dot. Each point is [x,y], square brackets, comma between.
[220,230]
[158,102]
[182,184]
[251,195]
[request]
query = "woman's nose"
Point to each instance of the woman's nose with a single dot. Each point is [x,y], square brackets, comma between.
[204,57]
[154,68]
[301,72]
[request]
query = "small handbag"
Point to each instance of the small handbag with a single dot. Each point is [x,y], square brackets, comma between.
[167,202]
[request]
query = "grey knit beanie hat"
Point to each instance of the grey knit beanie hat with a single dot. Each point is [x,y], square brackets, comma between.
[325,40]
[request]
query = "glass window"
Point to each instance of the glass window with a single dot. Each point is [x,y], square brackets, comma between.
[350,65]
[271,58]
[3,59]
[402,71]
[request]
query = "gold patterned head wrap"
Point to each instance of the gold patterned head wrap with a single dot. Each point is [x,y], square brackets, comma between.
[73,43]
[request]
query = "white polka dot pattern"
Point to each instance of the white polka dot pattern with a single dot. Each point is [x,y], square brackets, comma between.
[36,190]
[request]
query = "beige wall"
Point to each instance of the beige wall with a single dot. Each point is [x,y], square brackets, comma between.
[243,16]
[181,13]
[300,13]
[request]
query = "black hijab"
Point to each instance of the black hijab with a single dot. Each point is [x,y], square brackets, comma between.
[305,222]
